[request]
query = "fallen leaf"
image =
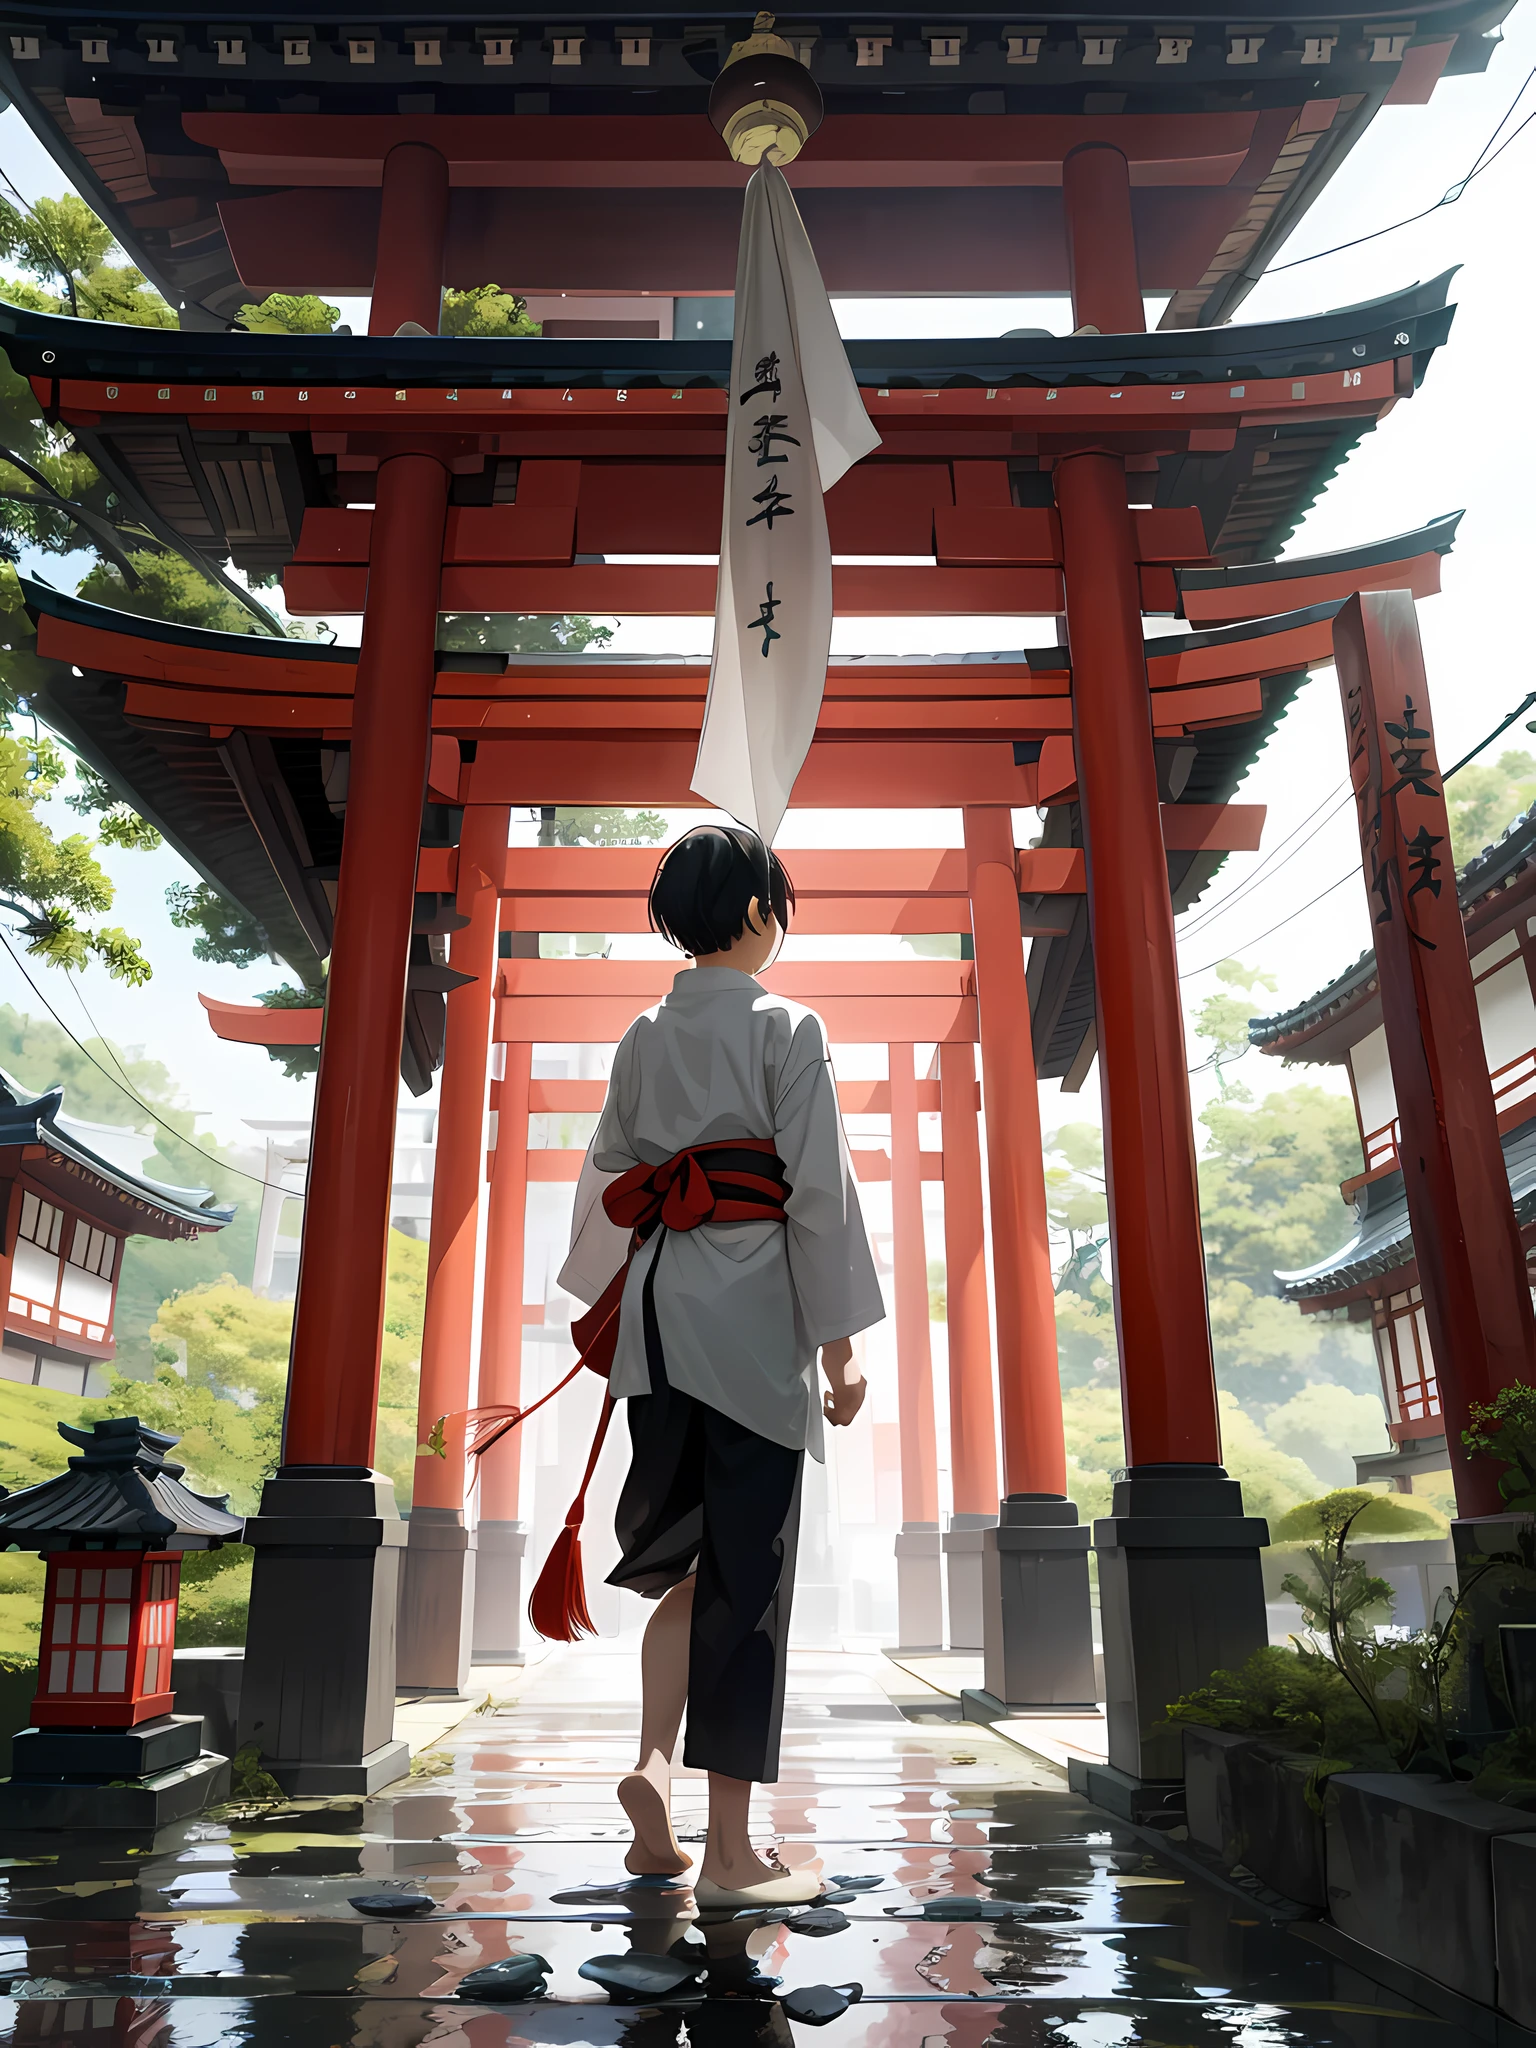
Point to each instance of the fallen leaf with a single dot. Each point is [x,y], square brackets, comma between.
[1125,1883]
[380,1971]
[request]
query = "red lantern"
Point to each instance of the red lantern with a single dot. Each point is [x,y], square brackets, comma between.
[109,1630]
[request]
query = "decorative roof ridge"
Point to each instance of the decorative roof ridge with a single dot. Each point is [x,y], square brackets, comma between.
[1495,867]
[57,345]
[42,1116]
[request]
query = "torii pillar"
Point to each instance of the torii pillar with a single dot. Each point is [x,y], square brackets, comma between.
[1037,1620]
[503,1535]
[317,1695]
[1180,1588]
[919,1567]
[438,1595]
[1477,1297]
[974,1484]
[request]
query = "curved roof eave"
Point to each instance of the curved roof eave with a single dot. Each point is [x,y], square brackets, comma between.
[38,1119]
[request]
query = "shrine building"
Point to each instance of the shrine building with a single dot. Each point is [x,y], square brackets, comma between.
[1373,1276]
[73,1197]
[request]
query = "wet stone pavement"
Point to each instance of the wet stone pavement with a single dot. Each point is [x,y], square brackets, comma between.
[239,1928]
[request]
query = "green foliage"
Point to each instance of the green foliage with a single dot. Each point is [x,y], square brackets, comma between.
[168,588]
[1076,1201]
[225,931]
[1483,799]
[1272,1482]
[602,827]
[485,310]
[938,1293]
[1223,1019]
[519,633]
[48,885]
[1269,1183]
[1304,1700]
[1324,1425]
[1505,1428]
[60,241]
[212,1612]
[1370,1514]
[248,1781]
[298,1062]
[289,313]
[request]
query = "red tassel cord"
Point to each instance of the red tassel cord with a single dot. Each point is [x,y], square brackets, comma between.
[558,1605]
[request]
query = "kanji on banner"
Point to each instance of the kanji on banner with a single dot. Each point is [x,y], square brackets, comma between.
[797,424]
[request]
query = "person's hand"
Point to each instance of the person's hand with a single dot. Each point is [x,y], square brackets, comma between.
[845,1384]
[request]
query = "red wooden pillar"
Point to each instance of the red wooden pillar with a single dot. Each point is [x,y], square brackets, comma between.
[438,1602]
[972,1412]
[1036,1619]
[1101,242]
[503,1537]
[318,1693]
[413,234]
[1174,1612]
[1034,1450]
[1477,1299]
[919,1592]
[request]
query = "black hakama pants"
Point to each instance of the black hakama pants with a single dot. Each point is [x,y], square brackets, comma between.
[707,1495]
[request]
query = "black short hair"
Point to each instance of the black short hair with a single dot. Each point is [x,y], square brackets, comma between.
[706,885]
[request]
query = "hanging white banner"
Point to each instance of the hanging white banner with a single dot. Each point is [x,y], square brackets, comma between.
[797,424]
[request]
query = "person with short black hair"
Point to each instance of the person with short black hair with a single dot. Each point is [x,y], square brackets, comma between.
[718,1210]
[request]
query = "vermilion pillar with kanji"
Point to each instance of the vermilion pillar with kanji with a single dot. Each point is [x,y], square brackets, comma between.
[1477,1297]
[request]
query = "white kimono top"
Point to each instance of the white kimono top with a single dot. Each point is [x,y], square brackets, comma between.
[741,1307]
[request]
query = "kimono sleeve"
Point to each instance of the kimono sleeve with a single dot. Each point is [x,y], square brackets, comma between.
[830,1264]
[598,1246]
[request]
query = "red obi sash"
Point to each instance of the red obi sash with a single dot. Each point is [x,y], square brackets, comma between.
[733,1180]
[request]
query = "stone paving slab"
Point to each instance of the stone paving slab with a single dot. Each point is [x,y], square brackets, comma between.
[236,1930]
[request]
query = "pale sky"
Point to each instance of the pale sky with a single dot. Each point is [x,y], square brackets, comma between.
[1464,441]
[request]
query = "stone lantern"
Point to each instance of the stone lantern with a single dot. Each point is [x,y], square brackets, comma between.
[105,1748]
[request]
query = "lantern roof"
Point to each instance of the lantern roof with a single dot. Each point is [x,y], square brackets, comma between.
[121,1493]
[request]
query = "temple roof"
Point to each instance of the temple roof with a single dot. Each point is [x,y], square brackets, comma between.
[234,158]
[220,444]
[157,1210]
[1383,1239]
[1322,1029]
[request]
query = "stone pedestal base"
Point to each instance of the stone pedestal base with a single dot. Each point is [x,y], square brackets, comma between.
[317,1696]
[1494,1598]
[437,1603]
[498,1629]
[1037,1620]
[1181,1595]
[919,1587]
[142,1777]
[963,1544]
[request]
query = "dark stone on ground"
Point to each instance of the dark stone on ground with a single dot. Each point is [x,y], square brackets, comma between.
[392,1905]
[513,1977]
[815,2004]
[637,1977]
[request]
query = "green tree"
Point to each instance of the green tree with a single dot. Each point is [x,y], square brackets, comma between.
[62,241]
[520,633]
[1224,1019]
[1324,1425]
[289,313]
[1272,1482]
[1269,1182]
[486,310]
[225,932]
[1483,799]
[166,586]
[601,827]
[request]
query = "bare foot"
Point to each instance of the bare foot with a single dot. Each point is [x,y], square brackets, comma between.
[655,1852]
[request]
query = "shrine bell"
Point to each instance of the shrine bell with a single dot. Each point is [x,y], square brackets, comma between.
[113,1529]
[765,102]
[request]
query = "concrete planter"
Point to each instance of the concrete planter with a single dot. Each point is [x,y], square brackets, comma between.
[1245,1796]
[1514,1915]
[1410,1873]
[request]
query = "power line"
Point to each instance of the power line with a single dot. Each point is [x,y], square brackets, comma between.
[1481,163]
[1487,741]
[154,1116]
[1268,868]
